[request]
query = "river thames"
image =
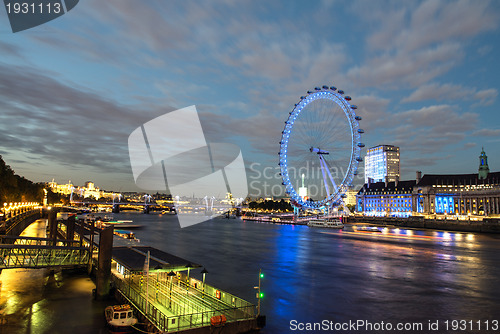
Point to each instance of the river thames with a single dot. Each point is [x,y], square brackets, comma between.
[349,280]
[316,275]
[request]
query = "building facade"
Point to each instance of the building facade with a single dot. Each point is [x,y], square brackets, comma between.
[89,190]
[463,194]
[386,199]
[382,164]
[350,197]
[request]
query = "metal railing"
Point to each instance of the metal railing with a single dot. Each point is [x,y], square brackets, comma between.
[36,241]
[8,226]
[38,256]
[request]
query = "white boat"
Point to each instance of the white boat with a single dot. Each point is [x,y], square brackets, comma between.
[322,222]
[120,318]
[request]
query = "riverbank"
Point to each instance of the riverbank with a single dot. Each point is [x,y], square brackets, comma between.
[44,301]
[487,225]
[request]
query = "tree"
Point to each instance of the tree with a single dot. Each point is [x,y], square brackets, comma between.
[15,188]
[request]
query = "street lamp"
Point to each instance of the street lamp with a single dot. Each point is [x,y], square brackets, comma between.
[170,274]
[204,271]
[189,266]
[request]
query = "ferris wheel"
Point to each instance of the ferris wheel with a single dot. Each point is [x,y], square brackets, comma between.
[320,149]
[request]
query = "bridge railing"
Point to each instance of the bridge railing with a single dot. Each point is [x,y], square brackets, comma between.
[37,241]
[10,225]
[36,256]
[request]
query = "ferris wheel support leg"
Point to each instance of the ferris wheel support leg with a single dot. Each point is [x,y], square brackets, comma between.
[330,175]
[323,168]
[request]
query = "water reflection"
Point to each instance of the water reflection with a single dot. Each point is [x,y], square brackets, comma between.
[313,274]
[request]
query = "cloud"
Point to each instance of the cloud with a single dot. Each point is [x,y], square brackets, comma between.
[244,65]
[434,91]
[414,43]
[373,110]
[469,145]
[410,164]
[411,69]
[421,133]
[63,124]
[487,133]
[430,129]
[7,49]
[417,26]
[486,97]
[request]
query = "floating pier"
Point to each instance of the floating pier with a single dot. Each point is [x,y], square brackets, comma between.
[170,301]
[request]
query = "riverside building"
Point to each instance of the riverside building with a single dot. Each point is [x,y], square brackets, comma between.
[439,194]
[382,164]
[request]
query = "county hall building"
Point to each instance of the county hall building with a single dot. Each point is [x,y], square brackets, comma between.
[451,194]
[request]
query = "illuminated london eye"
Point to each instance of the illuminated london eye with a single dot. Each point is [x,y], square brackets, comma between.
[320,146]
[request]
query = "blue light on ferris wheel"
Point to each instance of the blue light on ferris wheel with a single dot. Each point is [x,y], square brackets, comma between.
[355,144]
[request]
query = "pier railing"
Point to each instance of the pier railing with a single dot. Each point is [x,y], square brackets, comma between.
[213,294]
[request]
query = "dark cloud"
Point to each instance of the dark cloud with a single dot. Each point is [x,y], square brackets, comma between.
[68,126]
[7,49]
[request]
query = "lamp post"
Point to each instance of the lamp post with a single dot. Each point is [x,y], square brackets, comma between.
[204,271]
[158,267]
[260,294]
[170,274]
[189,266]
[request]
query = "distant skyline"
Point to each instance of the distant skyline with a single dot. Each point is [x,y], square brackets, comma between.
[425,76]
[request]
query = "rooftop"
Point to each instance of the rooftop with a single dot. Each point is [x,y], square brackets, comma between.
[134,257]
[391,186]
[458,179]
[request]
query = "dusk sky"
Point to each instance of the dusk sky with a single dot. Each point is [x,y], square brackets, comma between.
[425,76]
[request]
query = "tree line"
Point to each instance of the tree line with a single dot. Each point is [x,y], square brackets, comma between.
[15,188]
[271,205]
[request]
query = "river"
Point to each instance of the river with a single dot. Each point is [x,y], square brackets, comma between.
[428,281]
[313,275]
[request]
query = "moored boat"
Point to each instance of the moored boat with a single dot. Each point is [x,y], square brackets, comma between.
[322,222]
[120,318]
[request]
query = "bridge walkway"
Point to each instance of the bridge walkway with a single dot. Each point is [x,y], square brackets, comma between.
[40,252]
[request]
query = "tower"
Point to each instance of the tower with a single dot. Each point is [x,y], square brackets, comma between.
[483,165]
[382,164]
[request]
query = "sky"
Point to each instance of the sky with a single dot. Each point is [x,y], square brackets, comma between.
[425,76]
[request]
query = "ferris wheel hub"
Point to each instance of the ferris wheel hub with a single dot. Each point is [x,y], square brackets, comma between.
[318,150]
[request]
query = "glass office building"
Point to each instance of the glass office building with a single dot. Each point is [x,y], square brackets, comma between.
[382,161]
